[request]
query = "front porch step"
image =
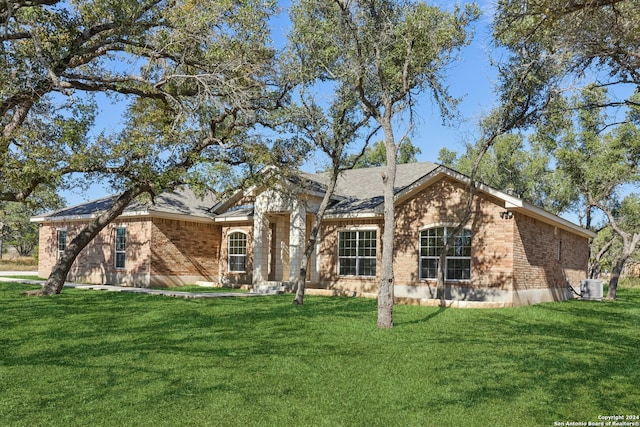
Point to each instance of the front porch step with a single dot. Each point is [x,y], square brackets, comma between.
[269,288]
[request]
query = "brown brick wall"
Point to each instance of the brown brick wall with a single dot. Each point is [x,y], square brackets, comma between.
[442,204]
[96,263]
[329,277]
[187,249]
[492,242]
[536,255]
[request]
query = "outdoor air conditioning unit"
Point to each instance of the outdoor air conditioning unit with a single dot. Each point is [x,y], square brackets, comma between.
[591,289]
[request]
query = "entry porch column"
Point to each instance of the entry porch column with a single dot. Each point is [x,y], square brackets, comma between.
[297,234]
[260,247]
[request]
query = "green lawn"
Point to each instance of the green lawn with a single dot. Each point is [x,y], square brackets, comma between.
[202,289]
[90,358]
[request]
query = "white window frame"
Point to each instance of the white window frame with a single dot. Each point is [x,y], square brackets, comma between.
[237,252]
[120,248]
[364,256]
[436,251]
[60,250]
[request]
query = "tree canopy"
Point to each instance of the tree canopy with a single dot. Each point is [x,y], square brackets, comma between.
[386,52]
[571,52]
[196,77]
[375,155]
[189,72]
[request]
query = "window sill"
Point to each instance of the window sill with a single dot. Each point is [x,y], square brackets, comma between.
[447,280]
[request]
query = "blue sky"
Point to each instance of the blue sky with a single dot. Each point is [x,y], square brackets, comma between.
[471,79]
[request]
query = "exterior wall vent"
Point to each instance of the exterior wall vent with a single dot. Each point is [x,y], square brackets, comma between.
[591,289]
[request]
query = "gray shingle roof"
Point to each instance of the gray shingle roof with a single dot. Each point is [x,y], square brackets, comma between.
[357,191]
[362,189]
[182,201]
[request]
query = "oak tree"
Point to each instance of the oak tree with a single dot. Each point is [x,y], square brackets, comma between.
[389,52]
[195,77]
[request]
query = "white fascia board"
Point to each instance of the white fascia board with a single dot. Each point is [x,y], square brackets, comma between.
[438,173]
[552,219]
[223,204]
[510,202]
[130,214]
[178,217]
[233,219]
[418,185]
[361,215]
[85,217]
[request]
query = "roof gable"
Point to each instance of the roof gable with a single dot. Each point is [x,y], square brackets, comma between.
[510,202]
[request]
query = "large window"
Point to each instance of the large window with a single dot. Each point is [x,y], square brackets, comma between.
[121,247]
[62,241]
[237,242]
[458,265]
[357,253]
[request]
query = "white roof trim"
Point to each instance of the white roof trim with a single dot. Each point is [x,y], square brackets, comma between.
[233,218]
[179,217]
[361,215]
[41,219]
[544,216]
[129,214]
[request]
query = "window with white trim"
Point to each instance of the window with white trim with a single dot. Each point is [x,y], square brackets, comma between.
[458,265]
[120,247]
[62,241]
[237,244]
[357,253]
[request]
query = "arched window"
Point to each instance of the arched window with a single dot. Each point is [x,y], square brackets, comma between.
[237,243]
[458,257]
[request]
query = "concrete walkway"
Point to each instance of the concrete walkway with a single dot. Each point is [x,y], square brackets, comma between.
[111,288]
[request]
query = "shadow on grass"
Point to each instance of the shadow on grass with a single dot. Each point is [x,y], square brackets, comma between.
[108,323]
[426,319]
[551,362]
[583,355]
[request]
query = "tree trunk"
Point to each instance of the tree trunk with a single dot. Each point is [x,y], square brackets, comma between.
[1,238]
[612,292]
[386,291]
[595,267]
[440,284]
[313,237]
[58,276]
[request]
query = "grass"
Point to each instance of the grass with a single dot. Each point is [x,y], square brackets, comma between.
[15,263]
[25,277]
[630,282]
[120,359]
[202,289]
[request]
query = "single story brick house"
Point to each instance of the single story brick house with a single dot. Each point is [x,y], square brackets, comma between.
[511,253]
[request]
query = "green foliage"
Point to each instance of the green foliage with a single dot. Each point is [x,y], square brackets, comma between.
[512,164]
[596,162]
[382,49]
[260,361]
[629,213]
[577,37]
[16,229]
[189,85]
[375,155]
